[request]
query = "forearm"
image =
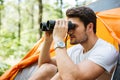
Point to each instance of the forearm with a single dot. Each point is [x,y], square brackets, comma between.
[66,67]
[44,56]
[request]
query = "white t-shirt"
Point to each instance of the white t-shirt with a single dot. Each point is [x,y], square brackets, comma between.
[102,53]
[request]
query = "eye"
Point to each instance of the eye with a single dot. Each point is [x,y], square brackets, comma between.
[75,26]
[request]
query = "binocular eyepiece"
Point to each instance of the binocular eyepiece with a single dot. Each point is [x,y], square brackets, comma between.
[49,26]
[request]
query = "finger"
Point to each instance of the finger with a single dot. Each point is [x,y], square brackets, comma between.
[57,23]
[63,23]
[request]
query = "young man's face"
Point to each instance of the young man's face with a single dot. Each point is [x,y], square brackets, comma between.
[77,35]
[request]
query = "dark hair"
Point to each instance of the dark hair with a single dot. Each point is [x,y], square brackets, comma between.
[85,14]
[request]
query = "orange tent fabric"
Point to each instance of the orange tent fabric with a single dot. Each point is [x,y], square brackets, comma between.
[108,28]
[111,20]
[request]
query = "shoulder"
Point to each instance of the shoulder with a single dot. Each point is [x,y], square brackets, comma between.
[103,42]
[103,45]
[105,49]
[105,54]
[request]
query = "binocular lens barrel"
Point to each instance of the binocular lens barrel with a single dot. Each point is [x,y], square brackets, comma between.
[49,26]
[43,26]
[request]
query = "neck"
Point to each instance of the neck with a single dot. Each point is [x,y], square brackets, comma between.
[89,43]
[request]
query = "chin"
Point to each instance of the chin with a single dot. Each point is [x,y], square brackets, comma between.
[73,43]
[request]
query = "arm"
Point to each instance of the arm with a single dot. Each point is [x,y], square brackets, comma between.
[86,70]
[66,67]
[82,71]
[89,69]
[44,56]
[46,69]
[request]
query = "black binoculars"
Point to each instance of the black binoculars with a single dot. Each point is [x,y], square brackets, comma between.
[49,25]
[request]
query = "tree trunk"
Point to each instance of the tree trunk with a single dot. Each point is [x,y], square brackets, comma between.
[19,23]
[0,19]
[61,4]
[1,8]
[76,3]
[32,16]
[84,3]
[40,16]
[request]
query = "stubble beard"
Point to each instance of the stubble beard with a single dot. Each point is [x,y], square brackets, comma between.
[81,41]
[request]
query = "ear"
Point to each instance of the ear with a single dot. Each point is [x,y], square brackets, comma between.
[90,27]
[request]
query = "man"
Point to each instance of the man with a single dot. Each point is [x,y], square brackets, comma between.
[91,59]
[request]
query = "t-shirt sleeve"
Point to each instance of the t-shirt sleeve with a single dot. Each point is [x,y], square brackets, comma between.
[106,57]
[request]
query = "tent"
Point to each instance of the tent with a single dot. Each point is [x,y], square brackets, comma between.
[108,28]
[102,5]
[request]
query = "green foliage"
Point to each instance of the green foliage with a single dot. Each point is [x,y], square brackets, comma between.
[49,12]
[1,5]
[1,1]
[3,68]
[11,49]
[10,45]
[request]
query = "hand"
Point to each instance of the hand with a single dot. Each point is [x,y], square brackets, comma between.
[48,36]
[60,30]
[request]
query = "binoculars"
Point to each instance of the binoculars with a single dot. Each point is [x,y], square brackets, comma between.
[49,25]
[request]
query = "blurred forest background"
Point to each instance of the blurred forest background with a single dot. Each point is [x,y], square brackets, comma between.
[19,25]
